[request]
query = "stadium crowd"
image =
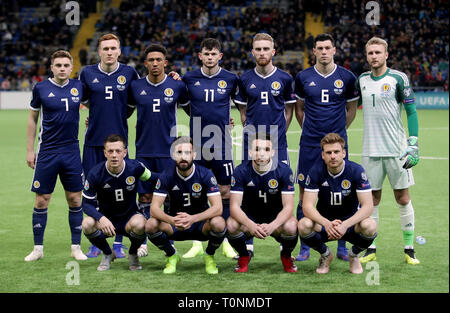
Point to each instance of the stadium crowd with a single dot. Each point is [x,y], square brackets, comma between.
[416,31]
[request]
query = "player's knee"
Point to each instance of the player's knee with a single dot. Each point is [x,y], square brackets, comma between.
[74,199]
[290,227]
[88,225]
[42,201]
[305,226]
[137,224]
[151,226]
[217,224]
[232,225]
[403,199]
[368,227]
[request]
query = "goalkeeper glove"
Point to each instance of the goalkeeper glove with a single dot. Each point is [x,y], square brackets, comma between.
[411,153]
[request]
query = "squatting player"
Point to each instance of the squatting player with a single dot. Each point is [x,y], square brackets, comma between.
[386,151]
[56,101]
[327,98]
[106,86]
[210,90]
[337,204]
[190,217]
[262,203]
[113,185]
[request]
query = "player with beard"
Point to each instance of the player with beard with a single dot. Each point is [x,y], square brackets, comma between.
[190,187]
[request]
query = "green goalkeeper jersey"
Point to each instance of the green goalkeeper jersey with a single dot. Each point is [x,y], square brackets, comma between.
[382,98]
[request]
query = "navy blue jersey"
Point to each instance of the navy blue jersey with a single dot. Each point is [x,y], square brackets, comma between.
[156,114]
[325,100]
[187,194]
[265,98]
[262,192]
[108,98]
[115,194]
[59,114]
[337,193]
[210,105]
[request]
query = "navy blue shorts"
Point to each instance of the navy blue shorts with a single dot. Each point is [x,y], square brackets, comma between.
[193,233]
[307,156]
[222,169]
[50,165]
[346,237]
[119,225]
[155,165]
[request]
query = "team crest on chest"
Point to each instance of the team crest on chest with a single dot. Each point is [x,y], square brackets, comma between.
[275,88]
[122,81]
[221,86]
[345,184]
[196,187]
[130,180]
[273,183]
[74,92]
[385,89]
[339,85]
[168,93]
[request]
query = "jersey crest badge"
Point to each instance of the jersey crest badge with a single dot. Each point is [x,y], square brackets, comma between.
[222,85]
[385,89]
[345,184]
[37,184]
[273,183]
[275,88]
[168,92]
[301,177]
[130,180]
[121,80]
[196,187]
[74,92]
[338,84]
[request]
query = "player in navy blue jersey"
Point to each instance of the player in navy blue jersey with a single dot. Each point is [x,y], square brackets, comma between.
[337,204]
[266,98]
[262,203]
[106,86]
[156,97]
[113,185]
[326,102]
[189,187]
[56,102]
[211,89]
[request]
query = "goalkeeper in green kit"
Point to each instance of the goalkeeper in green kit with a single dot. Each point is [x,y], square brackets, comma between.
[386,149]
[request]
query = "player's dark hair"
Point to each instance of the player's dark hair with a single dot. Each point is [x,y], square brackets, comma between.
[211,43]
[182,139]
[262,136]
[332,138]
[61,54]
[324,37]
[155,48]
[114,138]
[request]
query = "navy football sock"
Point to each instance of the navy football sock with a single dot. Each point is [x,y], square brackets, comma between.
[314,240]
[160,239]
[136,241]
[238,243]
[39,221]
[288,244]
[215,240]
[75,219]
[98,239]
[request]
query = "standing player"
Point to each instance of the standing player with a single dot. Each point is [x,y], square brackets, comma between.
[211,89]
[337,204]
[262,204]
[113,184]
[190,217]
[57,102]
[106,86]
[386,151]
[266,100]
[327,98]
[156,97]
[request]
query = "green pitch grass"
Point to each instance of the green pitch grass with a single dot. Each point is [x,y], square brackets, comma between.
[57,273]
